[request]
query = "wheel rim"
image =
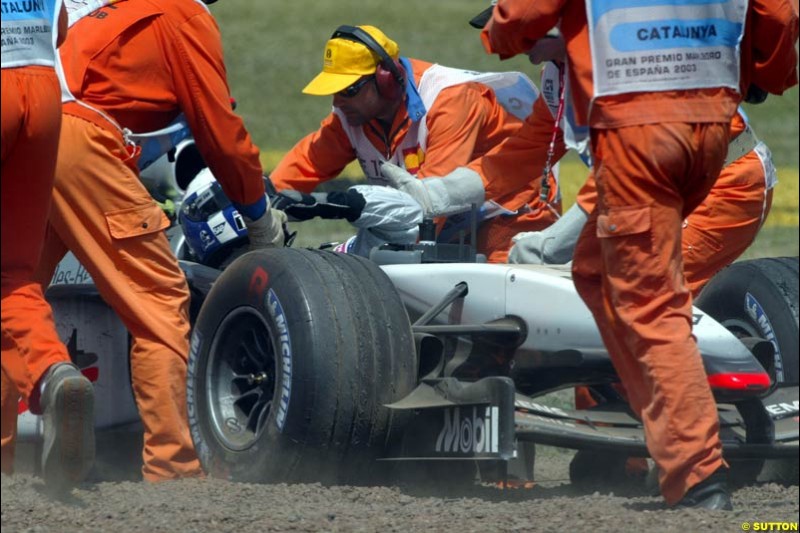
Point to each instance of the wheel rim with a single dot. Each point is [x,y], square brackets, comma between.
[741,328]
[241,377]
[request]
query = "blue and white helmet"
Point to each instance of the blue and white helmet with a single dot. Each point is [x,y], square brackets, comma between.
[211,224]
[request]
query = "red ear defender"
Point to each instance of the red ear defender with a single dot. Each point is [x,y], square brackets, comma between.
[389,87]
[390,76]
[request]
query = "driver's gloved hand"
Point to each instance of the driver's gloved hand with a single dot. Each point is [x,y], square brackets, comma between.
[297,201]
[267,231]
[341,204]
[333,205]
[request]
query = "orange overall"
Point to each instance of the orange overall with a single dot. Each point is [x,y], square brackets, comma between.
[142,63]
[656,156]
[31,119]
[714,235]
[512,176]
[103,214]
[464,123]
[725,224]
[717,232]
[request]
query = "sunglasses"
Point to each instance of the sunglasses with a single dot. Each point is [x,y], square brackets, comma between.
[352,90]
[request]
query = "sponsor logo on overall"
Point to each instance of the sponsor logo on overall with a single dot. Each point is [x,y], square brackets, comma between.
[757,314]
[473,431]
[275,309]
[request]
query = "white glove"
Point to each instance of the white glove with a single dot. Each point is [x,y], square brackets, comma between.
[443,196]
[267,231]
[553,245]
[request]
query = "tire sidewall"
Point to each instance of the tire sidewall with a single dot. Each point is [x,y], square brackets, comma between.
[744,292]
[265,293]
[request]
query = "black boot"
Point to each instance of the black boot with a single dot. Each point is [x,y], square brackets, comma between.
[711,493]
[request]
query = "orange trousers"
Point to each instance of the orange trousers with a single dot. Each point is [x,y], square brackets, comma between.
[31,119]
[715,234]
[103,214]
[628,269]
[727,222]
[723,226]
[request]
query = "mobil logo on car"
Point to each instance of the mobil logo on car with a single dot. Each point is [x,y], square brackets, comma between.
[469,431]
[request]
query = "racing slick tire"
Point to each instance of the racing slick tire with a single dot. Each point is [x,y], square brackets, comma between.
[759,298]
[293,358]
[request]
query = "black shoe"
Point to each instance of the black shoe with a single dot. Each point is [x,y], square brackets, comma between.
[711,493]
[68,427]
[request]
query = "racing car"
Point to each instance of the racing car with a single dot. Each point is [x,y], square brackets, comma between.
[314,365]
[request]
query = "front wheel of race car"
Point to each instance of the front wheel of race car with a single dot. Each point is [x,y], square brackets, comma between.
[294,356]
[759,298]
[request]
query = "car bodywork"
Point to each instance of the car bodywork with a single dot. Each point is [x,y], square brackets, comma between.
[491,341]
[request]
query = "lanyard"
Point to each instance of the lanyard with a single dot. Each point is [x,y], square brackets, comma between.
[548,165]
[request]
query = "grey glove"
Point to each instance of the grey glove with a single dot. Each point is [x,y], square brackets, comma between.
[553,245]
[267,231]
[450,194]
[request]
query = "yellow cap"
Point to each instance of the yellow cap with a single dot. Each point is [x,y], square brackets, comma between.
[345,61]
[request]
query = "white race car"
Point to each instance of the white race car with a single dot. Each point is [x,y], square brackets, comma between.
[313,365]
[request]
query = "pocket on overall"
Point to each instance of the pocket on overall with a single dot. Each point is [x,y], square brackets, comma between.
[625,235]
[624,221]
[136,221]
[142,251]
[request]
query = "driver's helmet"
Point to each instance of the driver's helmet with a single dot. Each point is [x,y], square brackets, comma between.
[211,224]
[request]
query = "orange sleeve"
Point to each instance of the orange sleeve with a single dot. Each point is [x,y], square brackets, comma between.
[518,161]
[318,157]
[515,26]
[769,56]
[456,121]
[194,53]
[737,125]
[587,195]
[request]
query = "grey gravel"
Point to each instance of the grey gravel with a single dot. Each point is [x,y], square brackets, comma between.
[207,505]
